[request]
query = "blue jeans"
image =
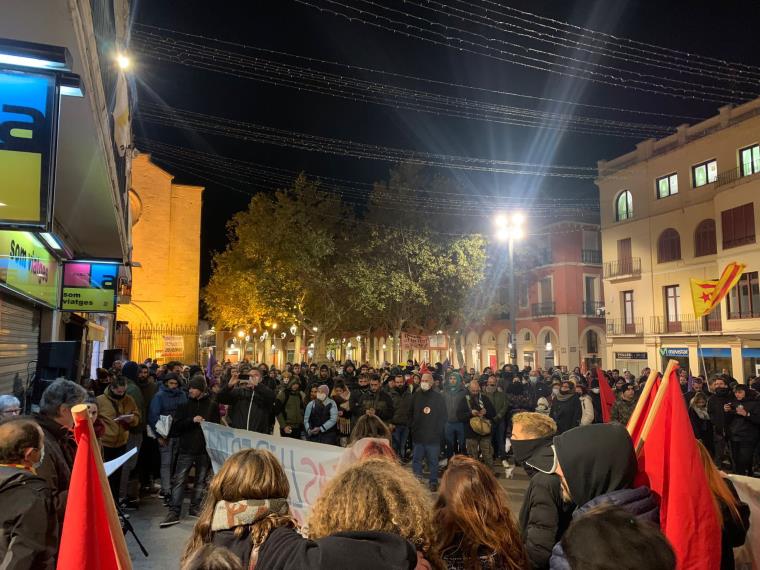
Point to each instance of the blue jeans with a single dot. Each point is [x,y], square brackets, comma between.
[168,457]
[429,451]
[454,438]
[499,437]
[400,435]
[184,464]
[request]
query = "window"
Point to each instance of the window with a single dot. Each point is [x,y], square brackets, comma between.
[672,307]
[744,298]
[667,185]
[704,238]
[628,322]
[624,206]
[522,292]
[592,342]
[738,226]
[669,246]
[527,337]
[545,290]
[704,173]
[749,158]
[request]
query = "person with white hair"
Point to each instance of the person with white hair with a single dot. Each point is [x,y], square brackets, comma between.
[9,406]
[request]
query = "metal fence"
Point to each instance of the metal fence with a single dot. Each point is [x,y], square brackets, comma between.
[163,342]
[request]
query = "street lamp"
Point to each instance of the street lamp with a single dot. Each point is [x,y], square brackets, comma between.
[510,229]
[293,329]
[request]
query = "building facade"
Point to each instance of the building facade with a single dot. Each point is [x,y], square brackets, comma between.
[161,319]
[674,209]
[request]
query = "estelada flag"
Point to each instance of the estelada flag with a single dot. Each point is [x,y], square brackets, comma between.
[86,541]
[606,396]
[669,458]
[707,294]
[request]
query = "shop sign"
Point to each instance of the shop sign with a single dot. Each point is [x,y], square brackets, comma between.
[674,352]
[28,123]
[27,267]
[631,355]
[89,286]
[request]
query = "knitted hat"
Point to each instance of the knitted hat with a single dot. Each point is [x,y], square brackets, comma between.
[324,388]
[198,382]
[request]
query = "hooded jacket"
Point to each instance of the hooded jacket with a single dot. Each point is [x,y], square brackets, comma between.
[250,409]
[402,405]
[428,417]
[190,434]
[28,525]
[601,474]
[567,411]
[452,395]
[285,549]
[165,403]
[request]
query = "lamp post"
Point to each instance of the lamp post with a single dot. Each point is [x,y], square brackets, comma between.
[510,229]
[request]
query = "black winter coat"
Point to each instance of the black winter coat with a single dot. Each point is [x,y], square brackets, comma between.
[259,402]
[190,434]
[467,405]
[380,401]
[402,406]
[428,417]
[567,413]
[745,429]
[715,408]
[543,518]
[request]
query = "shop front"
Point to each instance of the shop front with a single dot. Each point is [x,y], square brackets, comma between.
[680,354]
[634,362]
[751,361]
[716,360]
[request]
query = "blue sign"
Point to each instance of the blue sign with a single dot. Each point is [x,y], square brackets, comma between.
[28,125]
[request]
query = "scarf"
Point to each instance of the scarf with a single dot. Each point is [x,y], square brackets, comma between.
[702,413]
[229,514]
[564,397]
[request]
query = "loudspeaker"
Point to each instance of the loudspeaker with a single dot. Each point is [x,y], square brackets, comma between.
[58,359]
[110,356]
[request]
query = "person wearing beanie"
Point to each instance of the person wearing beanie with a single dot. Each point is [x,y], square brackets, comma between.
[186,427]
[320,418]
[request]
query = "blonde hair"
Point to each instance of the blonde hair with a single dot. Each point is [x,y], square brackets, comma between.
[538,425]
[392,501]
[247,474]
[718,488]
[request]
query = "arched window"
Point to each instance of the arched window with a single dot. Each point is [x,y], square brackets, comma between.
[704,238]
[669,246]
[592,342]
[624,206]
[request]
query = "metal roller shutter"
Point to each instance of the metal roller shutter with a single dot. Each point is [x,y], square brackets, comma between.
[19,341]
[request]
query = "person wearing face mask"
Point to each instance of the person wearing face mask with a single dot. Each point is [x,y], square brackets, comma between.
[473,409]
[587,406]
[596,400]
[623,407]
[544,516]
[427,426]
[501,406]
[566,408]
[292,406]
[320,418]
[716,407]
[28,540]
[700,421]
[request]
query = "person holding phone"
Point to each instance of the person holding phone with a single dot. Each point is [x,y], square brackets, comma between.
[119,412]
[251,402]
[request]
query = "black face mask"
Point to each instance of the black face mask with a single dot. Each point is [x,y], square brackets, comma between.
[722,391]
[525,448]
[116,396]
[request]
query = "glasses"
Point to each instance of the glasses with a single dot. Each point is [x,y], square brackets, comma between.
[11,412]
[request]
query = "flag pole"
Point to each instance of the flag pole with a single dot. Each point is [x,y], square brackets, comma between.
[634,420]
[81,414]
[701,354]
[655,406]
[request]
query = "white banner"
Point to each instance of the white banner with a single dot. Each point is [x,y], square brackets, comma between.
[748,556]
[308,465]
[174,346]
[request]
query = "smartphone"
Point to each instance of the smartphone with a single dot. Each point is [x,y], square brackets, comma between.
[244,377]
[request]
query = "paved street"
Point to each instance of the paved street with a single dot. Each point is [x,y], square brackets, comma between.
[165,545]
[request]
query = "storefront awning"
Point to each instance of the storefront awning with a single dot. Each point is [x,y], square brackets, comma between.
[715,352]
[751,352]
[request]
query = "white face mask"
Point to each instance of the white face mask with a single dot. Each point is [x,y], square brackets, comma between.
[595,390]
[555,391]
[321,396]
[425,386]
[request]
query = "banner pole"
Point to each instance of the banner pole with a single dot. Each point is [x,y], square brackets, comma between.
[633,421]
[649,421]
[701,353]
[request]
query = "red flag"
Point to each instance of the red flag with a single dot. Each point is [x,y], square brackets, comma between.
[638,428]
[669,458]
[86,539]
[606,396]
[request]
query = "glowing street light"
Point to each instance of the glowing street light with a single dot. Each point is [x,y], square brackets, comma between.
[293,329]
[509,229]
[123,62]
[241,333]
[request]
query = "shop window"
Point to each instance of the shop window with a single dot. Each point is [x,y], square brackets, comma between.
[624,206]
[738,225]
[749,159]
[704,238]
[744,298]
[669,246]
[704,173]
[667,185]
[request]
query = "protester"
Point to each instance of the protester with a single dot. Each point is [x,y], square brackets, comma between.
[700,420]
[609,538]
[251,402]
[428,421]
[743,423]
[622,409]
[401,398]
[148,460]
[476,412]
[389,527]
[453,394]
[370,427]
[600,473]
[374,401]
[474,524]
[320,418]
[501,409]
[9,406]
[57,423]
[717,405]
[291,403]
[566,409]
[28,522]
[733,514]
[131,371]
[119,412]
[587,405]
[371,438]
[246,501]
[544,514]
[164,405]
[342,398]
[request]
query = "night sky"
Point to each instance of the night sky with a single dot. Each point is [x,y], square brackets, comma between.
[721,30]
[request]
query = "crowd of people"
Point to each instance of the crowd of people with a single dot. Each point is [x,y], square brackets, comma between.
[458,428]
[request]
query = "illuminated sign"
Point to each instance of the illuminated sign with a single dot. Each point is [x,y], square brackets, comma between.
[89,286]
[28,120]
[27,267]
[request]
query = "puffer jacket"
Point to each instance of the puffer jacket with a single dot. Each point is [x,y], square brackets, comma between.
[639,502]
[165,403]
[292,408]
[250,408]
[109,408]
[402,406]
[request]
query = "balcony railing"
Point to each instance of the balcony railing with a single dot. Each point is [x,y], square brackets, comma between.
[591,256]
[545,309]
[629,266]
[592,308]
[621,327]
[684,324]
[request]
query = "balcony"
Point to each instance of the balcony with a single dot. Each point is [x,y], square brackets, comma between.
[591,256]
[685,324]
[620,327]
[592,308]
[545,309]
[622,268]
